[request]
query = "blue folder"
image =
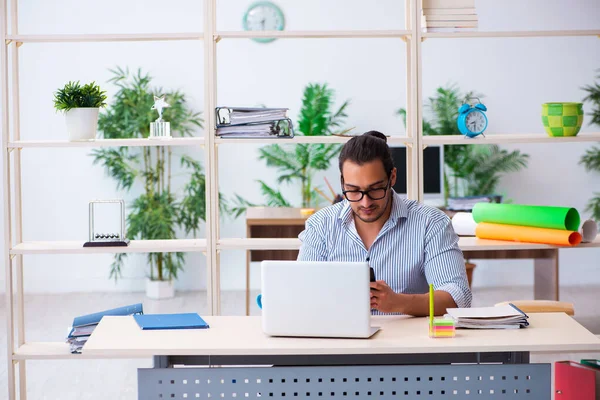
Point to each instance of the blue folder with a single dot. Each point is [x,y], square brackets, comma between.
[93,319]
[170,321]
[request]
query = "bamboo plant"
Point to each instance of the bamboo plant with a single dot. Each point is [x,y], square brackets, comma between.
[468,170]
[161,209]
[591,159]
[298,164]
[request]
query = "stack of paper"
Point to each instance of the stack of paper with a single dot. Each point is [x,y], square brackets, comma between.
[238,122]
[468,203]
[449,15]
[84,325]
[500,317]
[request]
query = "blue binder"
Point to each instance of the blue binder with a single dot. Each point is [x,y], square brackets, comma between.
[170,321]
[92,319]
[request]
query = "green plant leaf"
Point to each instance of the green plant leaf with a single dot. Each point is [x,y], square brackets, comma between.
[274,197]
[241,205]
[119,165]
[593,96]
[591,159]
[73,95]
[593,206]
[157,213]
[468,170]
[300,162]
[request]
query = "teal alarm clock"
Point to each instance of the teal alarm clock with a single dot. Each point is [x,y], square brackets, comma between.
[472,120]
[263,16]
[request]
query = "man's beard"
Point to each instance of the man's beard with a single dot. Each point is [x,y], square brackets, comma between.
[374,216]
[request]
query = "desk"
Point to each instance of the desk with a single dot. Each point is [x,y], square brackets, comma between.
[273,222]
[400,358]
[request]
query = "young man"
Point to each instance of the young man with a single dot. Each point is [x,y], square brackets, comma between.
[409,245]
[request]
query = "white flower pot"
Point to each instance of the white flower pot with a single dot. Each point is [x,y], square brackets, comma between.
[82,123]
[159,290]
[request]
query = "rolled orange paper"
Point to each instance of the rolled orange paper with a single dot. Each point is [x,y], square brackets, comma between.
[515,233]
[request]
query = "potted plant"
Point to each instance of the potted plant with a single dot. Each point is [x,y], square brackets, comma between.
[81,105]
[297,164]
[469,170]
[591,159]
[161,209]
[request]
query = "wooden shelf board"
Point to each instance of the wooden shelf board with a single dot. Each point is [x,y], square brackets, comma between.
[509,138]
[187,141]
[135,246]
[509,34]
[111,37]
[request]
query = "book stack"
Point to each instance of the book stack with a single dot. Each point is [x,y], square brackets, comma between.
[83,326]
[244,122]
[449,16]
[506,316]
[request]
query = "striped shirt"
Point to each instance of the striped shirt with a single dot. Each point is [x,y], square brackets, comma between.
[416,246]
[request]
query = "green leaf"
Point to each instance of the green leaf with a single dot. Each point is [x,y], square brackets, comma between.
[119,164]
[468,170]
[157,213]
[298,165]
[117,265]
[593,96]
[273,196]
[591,159]
[241,205]
[593,206]
[73,95]
[315,112]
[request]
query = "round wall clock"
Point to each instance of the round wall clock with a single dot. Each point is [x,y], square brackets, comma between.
[263,16]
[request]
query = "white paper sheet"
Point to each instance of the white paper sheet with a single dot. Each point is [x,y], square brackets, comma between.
[464,224]
[588,231]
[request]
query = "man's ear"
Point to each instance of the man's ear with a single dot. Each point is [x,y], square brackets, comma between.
[393,177]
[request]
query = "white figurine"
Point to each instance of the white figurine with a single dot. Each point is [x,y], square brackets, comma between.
[159,104]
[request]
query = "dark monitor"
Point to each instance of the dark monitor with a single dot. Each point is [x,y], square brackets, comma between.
[432,169]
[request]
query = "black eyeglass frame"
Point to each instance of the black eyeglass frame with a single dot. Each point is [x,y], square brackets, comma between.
[366,192]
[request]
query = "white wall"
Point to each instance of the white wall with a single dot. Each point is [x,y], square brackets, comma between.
[516,76]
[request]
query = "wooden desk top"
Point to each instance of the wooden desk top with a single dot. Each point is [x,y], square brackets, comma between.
[548,332]
[274,216]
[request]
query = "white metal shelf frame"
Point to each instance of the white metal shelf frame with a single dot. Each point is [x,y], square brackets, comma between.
[212,245]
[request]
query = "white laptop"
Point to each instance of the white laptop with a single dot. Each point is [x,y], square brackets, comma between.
[316,299]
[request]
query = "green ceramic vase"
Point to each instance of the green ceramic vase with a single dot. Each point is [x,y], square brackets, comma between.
[562,119]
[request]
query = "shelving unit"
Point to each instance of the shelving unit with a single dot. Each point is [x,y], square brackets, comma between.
[19,350]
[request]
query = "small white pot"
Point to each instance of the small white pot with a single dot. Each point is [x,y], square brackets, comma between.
[159,290]
[82,123]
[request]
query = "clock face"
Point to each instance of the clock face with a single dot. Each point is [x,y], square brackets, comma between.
[475,121]
[264,16]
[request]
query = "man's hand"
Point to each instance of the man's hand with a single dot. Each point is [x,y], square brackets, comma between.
[383,298]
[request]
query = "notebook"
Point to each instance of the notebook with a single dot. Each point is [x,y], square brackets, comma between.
[170,321]
[506,316]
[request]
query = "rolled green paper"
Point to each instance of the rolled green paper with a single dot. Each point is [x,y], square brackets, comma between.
[566,218]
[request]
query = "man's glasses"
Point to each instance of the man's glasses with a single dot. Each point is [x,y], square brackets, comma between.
[373,194]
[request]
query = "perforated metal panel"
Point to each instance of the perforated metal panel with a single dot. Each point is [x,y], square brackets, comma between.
[522,381]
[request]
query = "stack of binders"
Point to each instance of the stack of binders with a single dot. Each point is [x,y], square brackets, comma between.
[449,15]
[84,325]
[243,122]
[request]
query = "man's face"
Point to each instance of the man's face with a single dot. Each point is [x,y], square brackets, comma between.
[369,176]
